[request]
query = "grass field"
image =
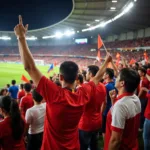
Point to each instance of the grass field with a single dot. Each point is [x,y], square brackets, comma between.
[9,72]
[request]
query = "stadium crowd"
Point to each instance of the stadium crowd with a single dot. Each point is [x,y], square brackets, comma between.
[69,110]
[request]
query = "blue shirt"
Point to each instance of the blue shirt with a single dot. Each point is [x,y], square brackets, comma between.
[109,87]
[13,90]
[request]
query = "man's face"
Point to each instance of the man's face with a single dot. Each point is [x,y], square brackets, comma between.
[105,76]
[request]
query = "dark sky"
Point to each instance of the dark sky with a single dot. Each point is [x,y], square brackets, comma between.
[37,13]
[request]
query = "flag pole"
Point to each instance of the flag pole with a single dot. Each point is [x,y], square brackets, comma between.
[104,47]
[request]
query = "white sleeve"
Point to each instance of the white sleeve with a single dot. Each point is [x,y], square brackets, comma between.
[28,117]
[118,117]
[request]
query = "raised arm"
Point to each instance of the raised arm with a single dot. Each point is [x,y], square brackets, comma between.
[101,71]
[115,68]
[26,56]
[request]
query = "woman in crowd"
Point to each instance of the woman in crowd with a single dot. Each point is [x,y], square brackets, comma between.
[12,128]
[35,120]
[3,92]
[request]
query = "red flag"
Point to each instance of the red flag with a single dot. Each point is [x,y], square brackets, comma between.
[24,79]
[145,56]
[132,61]
[100,42]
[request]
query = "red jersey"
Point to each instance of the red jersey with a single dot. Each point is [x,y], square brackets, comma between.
[21,94]
[147,110]
[7,141]
[124,117]
[91,119]
[26,103]
[144,83]
[63,112]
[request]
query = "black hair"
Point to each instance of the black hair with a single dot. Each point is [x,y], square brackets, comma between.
[69,70]
[36,96]
[2,91]
[93,69]
[57,82]
[8,85]
[143,70]
[110,72]
[13,82]
[51,78]
[131,79]
[17,123]
[80,78]
[84,74]
[31,82]
[27,87]
[21,86]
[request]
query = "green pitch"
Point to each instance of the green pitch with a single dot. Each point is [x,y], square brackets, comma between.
[10,72]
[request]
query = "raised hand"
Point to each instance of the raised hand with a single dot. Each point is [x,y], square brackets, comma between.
[20,30]
[108,57]
[112,94]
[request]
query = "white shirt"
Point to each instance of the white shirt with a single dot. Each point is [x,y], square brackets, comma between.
[35,118]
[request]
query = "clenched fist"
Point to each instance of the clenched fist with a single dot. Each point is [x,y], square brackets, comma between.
[20,30]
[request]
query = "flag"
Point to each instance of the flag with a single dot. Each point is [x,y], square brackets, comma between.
[24,79]
[100,42]
[145,56]
[51,67]
[132,61]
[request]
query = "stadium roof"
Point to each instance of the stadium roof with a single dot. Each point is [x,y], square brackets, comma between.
[86,13]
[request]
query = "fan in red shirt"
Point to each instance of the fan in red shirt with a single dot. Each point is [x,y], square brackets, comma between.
[146,128]
[64,107]
[12,128]
[90,122]
[123,119]
[144,83]
[21,93]
[27,101]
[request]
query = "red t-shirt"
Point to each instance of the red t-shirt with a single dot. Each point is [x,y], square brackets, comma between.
[124,117]
[91,118]
[144,83]
[26,103]
[147,110]
[21,94]
[6,140]
[63,113]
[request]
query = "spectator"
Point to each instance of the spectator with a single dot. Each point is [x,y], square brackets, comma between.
[123,119]
[79,81]
[142,94]
[3,92]
[13,90]
[12,128]
[64,107]
[35,120]
[90,122]
[21,93]
[32,84]
[7,86]
[146,128]
[110,85]
[26,101]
